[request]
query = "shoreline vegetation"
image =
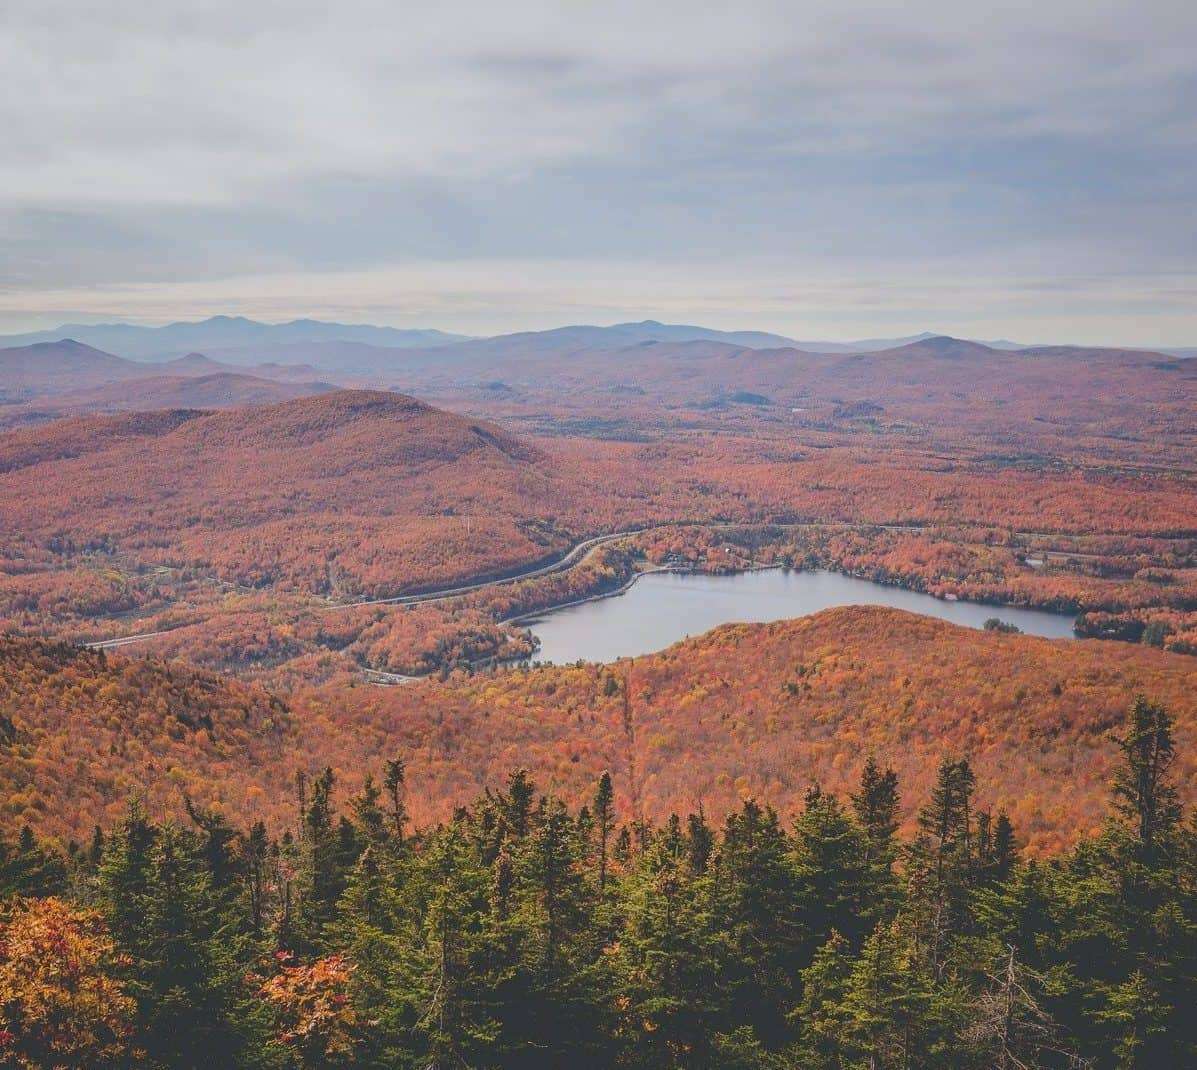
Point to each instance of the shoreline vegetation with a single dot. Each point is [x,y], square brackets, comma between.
[1031,570]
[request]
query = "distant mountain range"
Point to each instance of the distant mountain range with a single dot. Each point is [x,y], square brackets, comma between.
[224,332]
[240,340]
[75,357]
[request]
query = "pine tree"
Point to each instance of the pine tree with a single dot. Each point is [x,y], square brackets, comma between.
[876,806]
[942,864]
[124,873]
[1004,853]
[371,822]
[323,865]
[755,902]
[516,804]
[168,917]
[701,842]
[394,780]
[895,1016]
[604,821]
[821,1019]
[1143,792]
[456,1019]
[30,868]
[254,865]
[840,888]
[668,963]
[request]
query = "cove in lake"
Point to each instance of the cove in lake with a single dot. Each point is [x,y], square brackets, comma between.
[663,607]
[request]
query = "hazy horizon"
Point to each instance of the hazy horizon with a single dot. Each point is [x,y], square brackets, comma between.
[735,326]
[814,170]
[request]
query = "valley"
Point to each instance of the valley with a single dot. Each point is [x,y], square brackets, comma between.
[313,532]
[324,538]
[596,537]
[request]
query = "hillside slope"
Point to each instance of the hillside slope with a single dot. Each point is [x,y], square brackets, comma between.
[51,367]
[82,734]
[760,710]
[766,710]
[216,390]
[348,491]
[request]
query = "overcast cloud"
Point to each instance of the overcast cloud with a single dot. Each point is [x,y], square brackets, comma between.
[816,169]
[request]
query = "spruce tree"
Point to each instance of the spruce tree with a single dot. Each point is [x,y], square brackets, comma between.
[876,806]
[1143,792]
[840,889]
[604,822]
[668,964]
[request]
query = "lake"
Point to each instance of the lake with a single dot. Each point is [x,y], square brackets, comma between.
[663,607]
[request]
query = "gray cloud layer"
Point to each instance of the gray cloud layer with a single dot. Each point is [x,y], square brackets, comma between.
[795,166]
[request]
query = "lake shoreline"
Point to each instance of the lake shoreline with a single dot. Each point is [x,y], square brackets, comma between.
[800,593]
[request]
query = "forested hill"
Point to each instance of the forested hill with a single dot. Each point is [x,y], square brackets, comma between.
[746,710]
[524,934]
[82,733]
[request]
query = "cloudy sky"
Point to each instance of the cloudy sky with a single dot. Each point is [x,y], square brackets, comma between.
[828,170]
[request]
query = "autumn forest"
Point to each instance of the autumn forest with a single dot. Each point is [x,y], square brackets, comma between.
[285,782]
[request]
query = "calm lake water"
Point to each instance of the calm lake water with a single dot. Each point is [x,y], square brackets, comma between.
[663,607]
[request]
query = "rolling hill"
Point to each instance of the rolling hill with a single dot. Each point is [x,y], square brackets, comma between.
[69,367]
[1038,402]
[347,491]
[219,390]
[51,367]
[761,710]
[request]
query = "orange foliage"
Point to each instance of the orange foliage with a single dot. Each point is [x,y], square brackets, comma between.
[59,1002]
[314,1015]
[81,732]
[762,710]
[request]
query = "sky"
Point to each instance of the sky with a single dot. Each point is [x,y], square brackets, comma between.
[822,170]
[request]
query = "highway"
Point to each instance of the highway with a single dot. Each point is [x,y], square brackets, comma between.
[124,640]
[575,556]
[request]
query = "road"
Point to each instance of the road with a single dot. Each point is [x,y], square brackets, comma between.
[124,640]
[575,556]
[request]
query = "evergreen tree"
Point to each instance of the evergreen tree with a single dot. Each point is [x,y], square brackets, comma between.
[894,1013]
[394,780]
[668,963]
[324,857]
[1143,792]
[371,822]
[941,863]
[168,917]
[756,905]
[876,808]
[31,868]
[604,822]
[701,840]
[520,935]
[840,888]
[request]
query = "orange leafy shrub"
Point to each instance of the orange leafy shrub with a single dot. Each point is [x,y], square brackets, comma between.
[311,1003]
[60,1003]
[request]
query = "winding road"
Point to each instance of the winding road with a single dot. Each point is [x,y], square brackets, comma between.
[574,556]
